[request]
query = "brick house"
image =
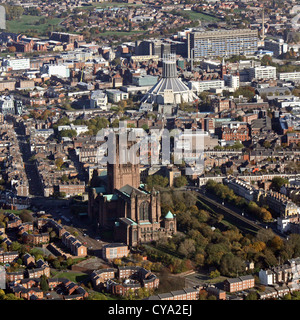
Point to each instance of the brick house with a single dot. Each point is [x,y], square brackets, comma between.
[14,276]
[239,284]
[114,250]
[28,260]
[9,257]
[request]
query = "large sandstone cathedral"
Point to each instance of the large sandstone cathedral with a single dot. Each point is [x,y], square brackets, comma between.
[126,207]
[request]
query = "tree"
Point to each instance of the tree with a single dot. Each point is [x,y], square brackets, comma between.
[252,296]
[230,265]
[12,49]
[44,284]
[214,274]
[265,215]
[277,183]
[276,243]
[187,247]
[180,181]
[156,180]
[59,162]
[26,216]
[68,133]
[267,144]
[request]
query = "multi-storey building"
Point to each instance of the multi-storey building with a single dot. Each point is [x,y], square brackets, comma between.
[114,250]
[221,43]
[241,188]
[289,76]
[262,73]
[207,85]
[239,284]
[184,294]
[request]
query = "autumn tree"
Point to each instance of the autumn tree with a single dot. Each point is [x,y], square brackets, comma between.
[59,162]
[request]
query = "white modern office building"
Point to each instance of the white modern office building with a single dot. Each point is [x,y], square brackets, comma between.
[289,76]
[59,70]
[262,72]
[99,100]
[206,85]
[7,105]
[17,64]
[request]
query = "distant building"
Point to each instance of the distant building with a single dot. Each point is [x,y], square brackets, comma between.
[206,85]
[59,70]
[17,64]
[115,95]
[7,105]
[114,250]
[99,100]
[262,73]
[277,47]
[239,284]
[221,43]
[241,188]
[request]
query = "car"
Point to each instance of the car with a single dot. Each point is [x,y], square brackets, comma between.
[85,242]
[84,234]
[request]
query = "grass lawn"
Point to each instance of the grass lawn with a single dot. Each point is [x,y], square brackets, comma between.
[120,33]
[200,16]
[72,276]
[28,22]
[13,211]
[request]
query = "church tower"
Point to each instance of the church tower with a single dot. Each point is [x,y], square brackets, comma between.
[123,170]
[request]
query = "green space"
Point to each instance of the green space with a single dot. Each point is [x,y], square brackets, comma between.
[13,211]
[28,22]
[201,16]
[111,5]
[120,33]
[72,276]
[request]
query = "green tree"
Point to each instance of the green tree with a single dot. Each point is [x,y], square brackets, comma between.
[277,183]
[44,284]
[59,162]
[230,265]
[156,180]
[180,182]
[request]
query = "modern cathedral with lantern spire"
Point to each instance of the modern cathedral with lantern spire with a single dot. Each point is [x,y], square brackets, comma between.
[169,91]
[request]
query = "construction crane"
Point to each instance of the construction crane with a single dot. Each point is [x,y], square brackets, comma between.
[81,77]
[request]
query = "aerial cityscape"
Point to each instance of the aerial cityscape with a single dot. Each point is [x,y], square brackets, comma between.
[149,150]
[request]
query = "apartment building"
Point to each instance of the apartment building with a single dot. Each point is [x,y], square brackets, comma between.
[17,64]
[262,73]
[72,188]
[221,43]
[184,294]
[276,46]
[9,257]
[74,245]
[239,284]
[35,239]
[206,85]
[281,204]
[119,281]
[241,188]
[114,251]
[289,76]
[14,276]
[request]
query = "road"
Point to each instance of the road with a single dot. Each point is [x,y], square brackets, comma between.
[35,188]
[57,208]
